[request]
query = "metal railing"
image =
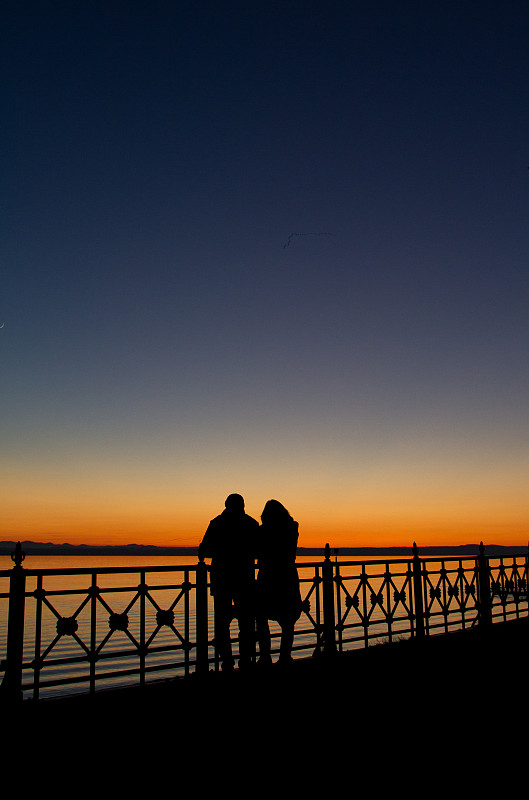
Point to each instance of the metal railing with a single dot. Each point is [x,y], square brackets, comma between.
[78,629]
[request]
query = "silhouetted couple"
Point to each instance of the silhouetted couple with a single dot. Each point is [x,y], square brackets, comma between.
[233,541]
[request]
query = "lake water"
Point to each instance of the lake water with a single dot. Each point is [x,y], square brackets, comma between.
[378,599]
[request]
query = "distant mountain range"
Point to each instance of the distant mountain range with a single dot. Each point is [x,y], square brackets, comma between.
[51,549]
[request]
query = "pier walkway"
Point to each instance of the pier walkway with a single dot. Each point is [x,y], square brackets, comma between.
[447,714]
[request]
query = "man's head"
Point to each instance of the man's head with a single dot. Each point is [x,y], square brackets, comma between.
[235,504]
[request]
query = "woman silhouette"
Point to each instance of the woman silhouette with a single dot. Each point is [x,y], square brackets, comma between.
[278,594]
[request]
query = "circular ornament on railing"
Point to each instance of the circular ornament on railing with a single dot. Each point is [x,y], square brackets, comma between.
[67,626]
[352,602]
[118,622]
[165,617]
[377,599]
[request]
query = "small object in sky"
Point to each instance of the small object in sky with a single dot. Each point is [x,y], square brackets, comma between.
[287,243]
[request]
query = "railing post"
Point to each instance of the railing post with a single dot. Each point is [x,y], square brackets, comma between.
[202,616]
[484,599]
[329,643]
[142,650]
[417,593]
[12,682]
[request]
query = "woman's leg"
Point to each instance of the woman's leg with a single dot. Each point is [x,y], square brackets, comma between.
[287,640]
[263,635]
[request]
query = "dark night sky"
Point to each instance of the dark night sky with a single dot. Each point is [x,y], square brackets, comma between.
[167,340]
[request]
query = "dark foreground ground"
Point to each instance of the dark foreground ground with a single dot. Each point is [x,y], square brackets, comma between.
[453,705]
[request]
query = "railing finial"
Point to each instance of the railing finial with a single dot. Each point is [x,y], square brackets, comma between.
[18,556]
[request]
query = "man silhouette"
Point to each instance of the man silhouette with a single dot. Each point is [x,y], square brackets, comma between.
[230,542]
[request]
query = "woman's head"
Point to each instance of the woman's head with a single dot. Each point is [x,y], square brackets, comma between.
[274,510]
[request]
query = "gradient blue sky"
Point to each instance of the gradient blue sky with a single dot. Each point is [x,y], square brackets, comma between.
[166,340]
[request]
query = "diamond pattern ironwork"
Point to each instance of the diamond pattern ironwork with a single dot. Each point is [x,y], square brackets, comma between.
[119,622]
[373,594]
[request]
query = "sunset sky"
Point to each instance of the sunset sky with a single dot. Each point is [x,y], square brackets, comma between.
[274,248]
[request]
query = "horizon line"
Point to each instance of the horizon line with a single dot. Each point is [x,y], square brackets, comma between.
[7,543]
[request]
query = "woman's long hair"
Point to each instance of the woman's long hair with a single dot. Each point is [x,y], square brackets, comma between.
[274,511]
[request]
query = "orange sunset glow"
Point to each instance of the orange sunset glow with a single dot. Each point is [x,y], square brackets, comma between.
[365,516]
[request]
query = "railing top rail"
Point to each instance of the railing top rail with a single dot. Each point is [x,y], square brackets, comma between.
[381,560]
[428,558]
[47,571]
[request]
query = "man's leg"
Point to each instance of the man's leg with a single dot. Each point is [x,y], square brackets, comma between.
[223,617]
[244,609]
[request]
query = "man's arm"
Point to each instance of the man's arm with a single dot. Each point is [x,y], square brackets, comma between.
[205,548]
